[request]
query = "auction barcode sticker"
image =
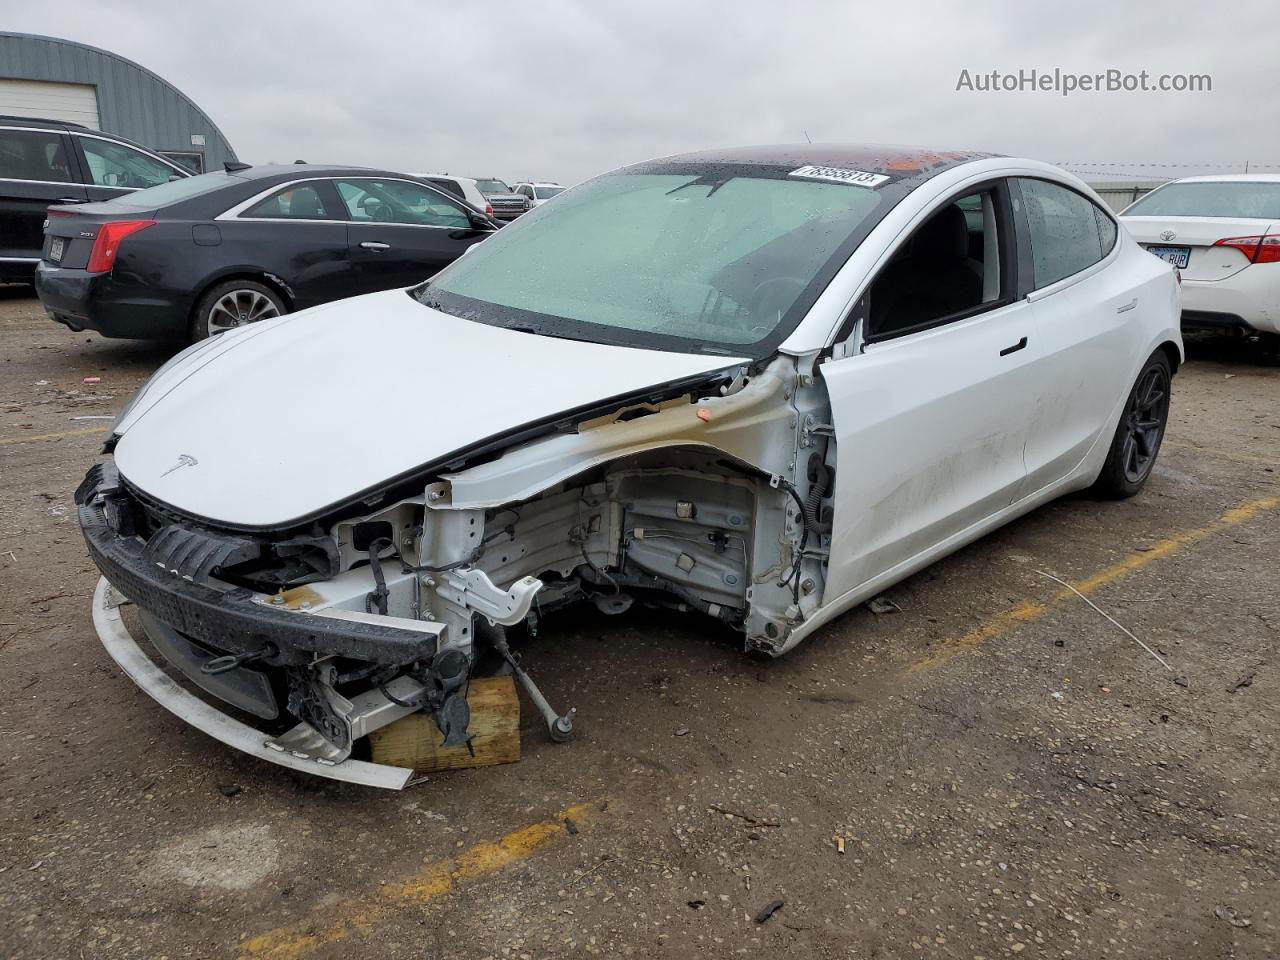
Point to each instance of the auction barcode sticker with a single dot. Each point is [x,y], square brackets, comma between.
[854,178]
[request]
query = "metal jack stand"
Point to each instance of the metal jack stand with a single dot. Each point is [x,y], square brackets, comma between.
[560,728]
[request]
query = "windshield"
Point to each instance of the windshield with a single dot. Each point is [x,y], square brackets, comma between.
[1260,201]
[154,198]
[546,193]
[721,260]
[492,186]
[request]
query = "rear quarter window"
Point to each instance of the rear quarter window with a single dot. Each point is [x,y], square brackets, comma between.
[452,186]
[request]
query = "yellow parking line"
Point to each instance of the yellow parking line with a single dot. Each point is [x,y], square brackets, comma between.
[1004,621]
[362,913]
[53,436]
[1223,454]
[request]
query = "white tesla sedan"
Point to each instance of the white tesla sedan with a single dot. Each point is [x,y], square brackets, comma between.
[761,385]
[1223,234]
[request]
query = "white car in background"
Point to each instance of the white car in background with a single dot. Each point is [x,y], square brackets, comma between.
[761,385]
[1223,235]
[539,193]
[464,188]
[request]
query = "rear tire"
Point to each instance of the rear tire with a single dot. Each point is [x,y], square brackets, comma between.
[1139,433]
[234,303]
[1270,346]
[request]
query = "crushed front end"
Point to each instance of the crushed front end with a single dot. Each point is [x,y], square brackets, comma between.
[713,497]
[316,656]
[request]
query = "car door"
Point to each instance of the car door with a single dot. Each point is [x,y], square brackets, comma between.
[1085,306]
[36,170]
[112,168]
[295,230]
[928,404]
[401,232]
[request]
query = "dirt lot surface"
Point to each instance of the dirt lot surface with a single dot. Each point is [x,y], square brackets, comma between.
[1010,773]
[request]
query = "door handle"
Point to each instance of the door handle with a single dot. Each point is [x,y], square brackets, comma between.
[1128,306]
[1015,348]
[69,200]
[375,245]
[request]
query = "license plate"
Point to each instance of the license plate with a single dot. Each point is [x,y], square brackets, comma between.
[1178,256]
[55,249]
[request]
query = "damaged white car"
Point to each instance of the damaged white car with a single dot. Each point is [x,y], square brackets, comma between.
[758,385]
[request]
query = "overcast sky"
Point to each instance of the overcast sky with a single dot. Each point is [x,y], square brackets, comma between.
[563,89]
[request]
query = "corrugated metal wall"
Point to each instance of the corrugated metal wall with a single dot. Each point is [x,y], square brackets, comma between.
[1119,194]
[132,101]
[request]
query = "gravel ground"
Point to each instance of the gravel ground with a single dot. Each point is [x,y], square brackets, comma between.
[1008,772]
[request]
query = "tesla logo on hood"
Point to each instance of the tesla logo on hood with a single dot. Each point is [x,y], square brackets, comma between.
[184,460]
[1167,235]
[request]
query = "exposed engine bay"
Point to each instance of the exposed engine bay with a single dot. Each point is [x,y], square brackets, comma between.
[715,501]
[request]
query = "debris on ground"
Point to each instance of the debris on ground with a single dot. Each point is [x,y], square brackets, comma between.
[682,731]
[1245,681]
[587,873]
[229,789]
[570,827]
[1181,681]
[768,910]
[882,605]
[840,845]
[738,815]
[697,904]
[1230,915]
[1127,632]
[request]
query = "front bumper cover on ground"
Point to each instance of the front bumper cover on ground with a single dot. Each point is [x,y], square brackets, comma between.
[215,617]
[158,685]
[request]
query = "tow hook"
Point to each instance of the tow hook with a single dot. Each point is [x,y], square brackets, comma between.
[559,728]
[233,660]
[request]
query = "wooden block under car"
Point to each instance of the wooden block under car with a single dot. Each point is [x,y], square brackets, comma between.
[414,741]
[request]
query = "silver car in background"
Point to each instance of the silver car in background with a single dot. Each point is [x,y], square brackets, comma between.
[507,204]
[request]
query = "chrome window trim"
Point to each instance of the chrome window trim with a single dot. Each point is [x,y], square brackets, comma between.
[14,126]
[233,213]
[20,259]
[95,136]
[51,183]
[444,195]
[129,146]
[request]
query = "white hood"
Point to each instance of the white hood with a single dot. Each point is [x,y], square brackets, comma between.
[279,420]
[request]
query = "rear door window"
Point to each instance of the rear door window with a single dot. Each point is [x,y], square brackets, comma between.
[1066,230]
[35,155]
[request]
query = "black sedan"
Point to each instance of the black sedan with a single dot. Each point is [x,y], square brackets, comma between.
[191,258]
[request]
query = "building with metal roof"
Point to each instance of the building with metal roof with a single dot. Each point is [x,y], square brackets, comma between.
[65,80]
